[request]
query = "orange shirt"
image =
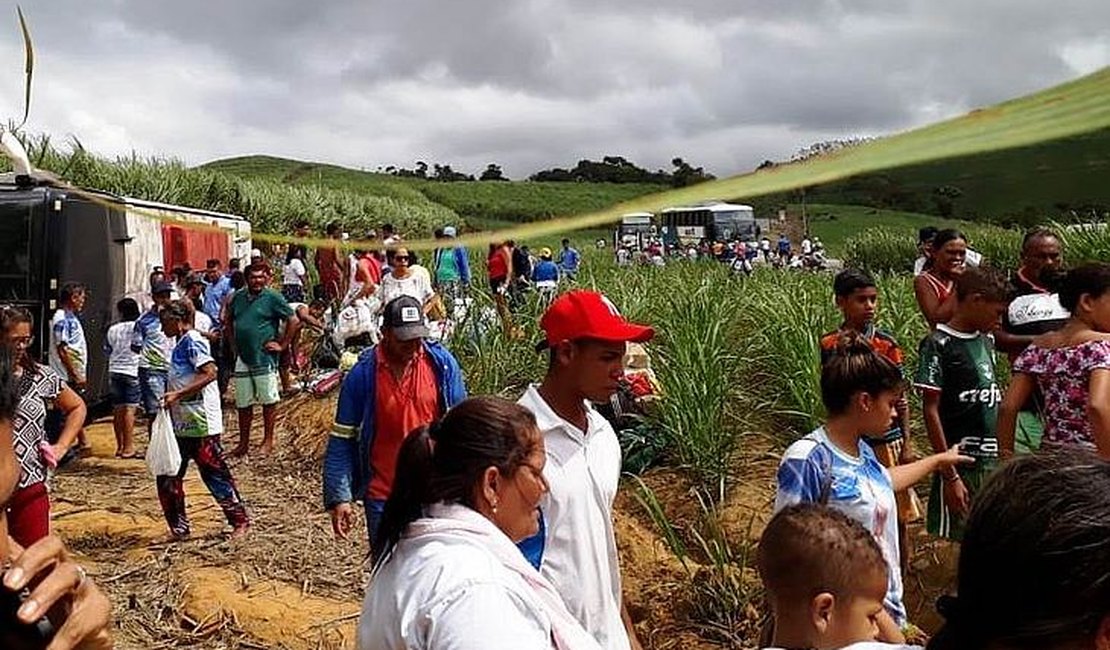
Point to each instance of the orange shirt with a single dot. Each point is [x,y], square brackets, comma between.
[881,342]
[401,406]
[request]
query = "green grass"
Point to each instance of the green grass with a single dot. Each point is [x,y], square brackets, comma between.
[513,201]
[836,224]
[1026,184]
[523,201]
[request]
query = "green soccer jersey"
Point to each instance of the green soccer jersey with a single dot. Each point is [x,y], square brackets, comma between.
[960,366]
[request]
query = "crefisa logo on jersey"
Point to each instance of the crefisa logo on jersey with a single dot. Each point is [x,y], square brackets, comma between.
[990,397]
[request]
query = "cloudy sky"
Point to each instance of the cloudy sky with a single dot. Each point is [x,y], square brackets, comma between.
[528,84]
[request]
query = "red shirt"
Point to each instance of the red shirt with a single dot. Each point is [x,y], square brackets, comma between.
[498,266]
[400,406]
[372,268]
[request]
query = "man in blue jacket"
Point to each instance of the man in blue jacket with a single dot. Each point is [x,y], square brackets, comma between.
[403,383]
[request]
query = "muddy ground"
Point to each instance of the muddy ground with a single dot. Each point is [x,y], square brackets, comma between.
[291,584]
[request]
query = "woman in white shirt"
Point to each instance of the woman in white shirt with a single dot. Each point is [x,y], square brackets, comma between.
[403,281]
[449,575]
[294,274]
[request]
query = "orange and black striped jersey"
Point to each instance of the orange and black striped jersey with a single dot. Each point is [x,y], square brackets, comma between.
[881,342]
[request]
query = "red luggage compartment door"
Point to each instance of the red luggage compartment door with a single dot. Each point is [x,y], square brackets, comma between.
[194,246]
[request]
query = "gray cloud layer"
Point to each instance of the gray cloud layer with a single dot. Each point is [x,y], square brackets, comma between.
[531,83]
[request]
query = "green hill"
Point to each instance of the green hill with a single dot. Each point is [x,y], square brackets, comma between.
[835,224]
[511,201]
[1022,186]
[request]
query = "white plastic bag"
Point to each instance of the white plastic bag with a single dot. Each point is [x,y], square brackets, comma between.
[163,457]
[357,318]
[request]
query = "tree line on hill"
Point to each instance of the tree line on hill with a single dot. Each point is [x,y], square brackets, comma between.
[610,169]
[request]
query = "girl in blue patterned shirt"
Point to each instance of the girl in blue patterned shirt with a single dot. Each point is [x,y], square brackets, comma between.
[833,465]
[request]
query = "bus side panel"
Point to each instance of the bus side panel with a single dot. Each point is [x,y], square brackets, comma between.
[87,253]
[239,236]
[142,253]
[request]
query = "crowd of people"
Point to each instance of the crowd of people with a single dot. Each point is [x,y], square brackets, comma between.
[490,523]
[742,256]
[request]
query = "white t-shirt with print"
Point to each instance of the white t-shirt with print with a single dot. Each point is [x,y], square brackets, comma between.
[813,470]
[121,359]
[202,322]
[293,272]
[415,285]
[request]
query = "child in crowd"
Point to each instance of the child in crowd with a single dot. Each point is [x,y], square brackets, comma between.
[825,578]
[857,298]
[1071,367]
[834,466]
[123,377]
[959,395]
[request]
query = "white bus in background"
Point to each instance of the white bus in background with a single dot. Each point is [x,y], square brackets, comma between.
[635,231]
[724,222]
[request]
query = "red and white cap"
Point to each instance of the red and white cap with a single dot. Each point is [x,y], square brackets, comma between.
[588,315]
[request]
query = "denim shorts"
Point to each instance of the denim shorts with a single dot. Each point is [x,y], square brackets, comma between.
[152,386]
[124,389]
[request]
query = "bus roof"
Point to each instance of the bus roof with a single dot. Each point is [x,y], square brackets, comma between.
[637,215]
[46,183]
[713,207]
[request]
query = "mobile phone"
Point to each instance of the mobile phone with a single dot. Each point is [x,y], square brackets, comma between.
[14,633]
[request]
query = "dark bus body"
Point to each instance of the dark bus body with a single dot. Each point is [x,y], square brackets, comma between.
[50,236]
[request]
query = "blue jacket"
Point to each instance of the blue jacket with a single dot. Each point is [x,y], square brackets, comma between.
[347,470]
[545,271]
[462,263]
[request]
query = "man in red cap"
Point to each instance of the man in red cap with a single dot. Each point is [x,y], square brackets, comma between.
[576,550]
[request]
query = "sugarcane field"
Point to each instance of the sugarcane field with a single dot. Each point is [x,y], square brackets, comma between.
[829,370]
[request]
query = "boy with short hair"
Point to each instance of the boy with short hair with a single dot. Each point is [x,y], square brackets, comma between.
[960,396]
[825,579]
[857,298]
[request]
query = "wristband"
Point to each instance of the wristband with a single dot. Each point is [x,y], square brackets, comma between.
[951,479]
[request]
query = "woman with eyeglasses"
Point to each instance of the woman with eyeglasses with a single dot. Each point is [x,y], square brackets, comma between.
[403,281]
[449,574]
[39,385]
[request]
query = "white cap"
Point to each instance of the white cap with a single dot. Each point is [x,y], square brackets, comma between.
[255,253]
[449,231]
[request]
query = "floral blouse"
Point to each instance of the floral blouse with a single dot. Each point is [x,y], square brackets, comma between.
[1063,375]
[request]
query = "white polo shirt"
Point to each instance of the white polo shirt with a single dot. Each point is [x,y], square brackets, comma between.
[579,548]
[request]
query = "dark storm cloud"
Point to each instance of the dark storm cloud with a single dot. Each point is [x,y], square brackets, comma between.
[534,83]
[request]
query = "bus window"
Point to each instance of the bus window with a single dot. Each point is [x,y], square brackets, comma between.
[734,225]
[15,251]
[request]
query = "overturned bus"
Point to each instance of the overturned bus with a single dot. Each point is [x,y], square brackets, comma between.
[51,235]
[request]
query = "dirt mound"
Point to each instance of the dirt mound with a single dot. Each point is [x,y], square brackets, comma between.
[306,421]
[274,612]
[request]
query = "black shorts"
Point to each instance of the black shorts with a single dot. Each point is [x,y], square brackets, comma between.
[495,284]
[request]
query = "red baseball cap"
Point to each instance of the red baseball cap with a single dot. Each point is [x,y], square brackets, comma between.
[588,315]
